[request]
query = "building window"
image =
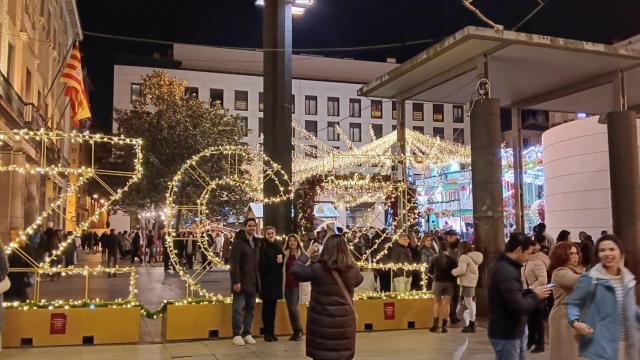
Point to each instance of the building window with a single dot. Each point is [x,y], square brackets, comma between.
[458,114]
[333,106]
[526,142]
[355,132]
[458,135]
[377,130]
[438,132]
[241,100]
[136,91]
[260,127]
[311,126]
[438,113]
[355,106]
[394,110]
[191,91]
[311,105]
[261,101]
[332,133]
[216,95]
[394,127]
[419,129]
[311,151]
[244,122]
[293,104]
[376,109]
[27,86]
[10,54]
[418,112]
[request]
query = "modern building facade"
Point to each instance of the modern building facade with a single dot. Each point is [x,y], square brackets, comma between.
[324,90]
[34,38]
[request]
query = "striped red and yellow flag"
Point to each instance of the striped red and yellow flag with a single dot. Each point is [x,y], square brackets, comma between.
[72,77]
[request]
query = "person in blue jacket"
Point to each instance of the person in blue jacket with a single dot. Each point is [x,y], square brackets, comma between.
[602,307]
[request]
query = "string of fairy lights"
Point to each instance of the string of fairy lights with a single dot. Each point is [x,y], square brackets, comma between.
[378,156]
[86,173]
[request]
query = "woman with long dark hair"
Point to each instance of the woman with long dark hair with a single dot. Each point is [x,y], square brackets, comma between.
[564,235]
[293,289]
[565,270]
[331,321]
[602,307]
[271,264]
[440,269]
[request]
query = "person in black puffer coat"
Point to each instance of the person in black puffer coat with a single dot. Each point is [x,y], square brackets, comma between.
[271,262]
[443,285]
[331,322]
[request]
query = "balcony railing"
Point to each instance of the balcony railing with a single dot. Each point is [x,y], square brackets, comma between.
[11,99]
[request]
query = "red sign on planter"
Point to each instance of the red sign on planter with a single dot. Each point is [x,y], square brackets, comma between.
[389,311]
[58,325]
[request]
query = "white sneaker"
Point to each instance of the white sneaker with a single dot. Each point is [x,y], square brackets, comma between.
[249,340]
[237,340]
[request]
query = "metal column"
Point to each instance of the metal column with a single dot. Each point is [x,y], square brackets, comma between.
[277,27]
[518,183]
[625,183]
[486,164]
[402,141]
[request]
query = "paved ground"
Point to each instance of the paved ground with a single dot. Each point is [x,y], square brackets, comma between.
[410,344]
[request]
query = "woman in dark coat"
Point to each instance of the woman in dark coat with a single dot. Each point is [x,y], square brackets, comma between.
[271,261]
[331,321]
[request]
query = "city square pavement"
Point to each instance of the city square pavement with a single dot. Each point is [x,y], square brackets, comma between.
[409,344]
[155,285]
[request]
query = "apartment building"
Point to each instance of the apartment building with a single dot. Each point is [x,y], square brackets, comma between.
[34,38]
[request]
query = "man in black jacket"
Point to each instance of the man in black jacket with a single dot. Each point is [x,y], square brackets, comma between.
[509,303]
[245,280]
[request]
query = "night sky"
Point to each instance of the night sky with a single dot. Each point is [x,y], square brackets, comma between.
[328,24]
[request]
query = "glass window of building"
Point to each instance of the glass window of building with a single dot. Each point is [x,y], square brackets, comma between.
[458,114]
[355,106]
[418,111]
[332,133]
[355,132]
[311,105]
[438,113]
[333,106]
[241,100]
[376,109]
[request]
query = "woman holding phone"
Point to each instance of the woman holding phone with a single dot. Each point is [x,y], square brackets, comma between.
[271,264]
[331,322]
[294,291]
[602,307]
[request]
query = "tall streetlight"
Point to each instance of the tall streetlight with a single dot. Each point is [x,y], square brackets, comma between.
[276,41]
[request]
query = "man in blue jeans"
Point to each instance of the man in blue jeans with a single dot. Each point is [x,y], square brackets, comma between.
[245,280]
[509,302]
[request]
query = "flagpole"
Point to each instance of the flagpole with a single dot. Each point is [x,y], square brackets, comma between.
[55,77]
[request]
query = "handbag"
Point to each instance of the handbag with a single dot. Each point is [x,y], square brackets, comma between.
[344,291]
[5,285]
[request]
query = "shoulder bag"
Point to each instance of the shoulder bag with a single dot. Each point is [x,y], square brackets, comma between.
[344,291]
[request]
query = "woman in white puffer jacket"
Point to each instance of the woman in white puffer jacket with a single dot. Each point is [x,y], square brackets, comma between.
[467,274]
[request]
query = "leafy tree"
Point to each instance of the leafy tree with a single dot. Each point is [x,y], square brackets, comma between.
[175,127]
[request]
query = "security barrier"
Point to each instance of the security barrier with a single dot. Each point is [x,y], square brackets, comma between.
[207,321]
[73,326]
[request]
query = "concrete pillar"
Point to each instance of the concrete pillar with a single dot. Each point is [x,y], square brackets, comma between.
[31,206]
[625,183]
[486,164]
[277,25]
[401,136]
[12,195]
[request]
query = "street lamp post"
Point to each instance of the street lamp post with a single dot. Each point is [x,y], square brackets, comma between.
[277,129]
